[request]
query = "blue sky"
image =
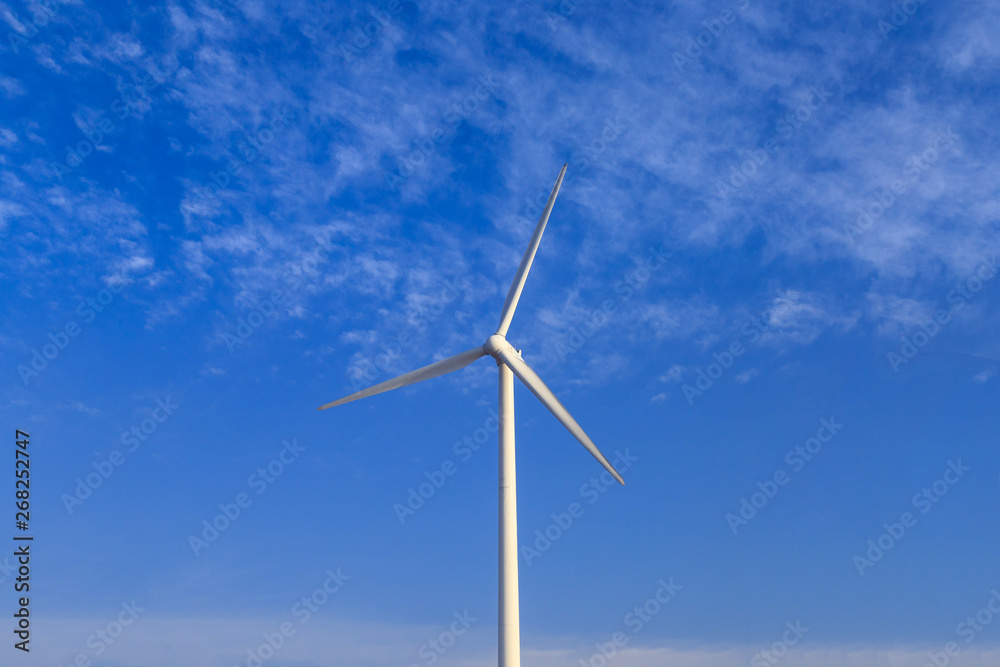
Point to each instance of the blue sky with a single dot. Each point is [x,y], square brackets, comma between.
[767,287]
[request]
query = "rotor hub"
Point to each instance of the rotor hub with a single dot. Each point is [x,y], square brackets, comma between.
[494,344]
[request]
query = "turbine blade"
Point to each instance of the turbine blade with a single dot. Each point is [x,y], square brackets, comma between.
[507,314]
[549,400]
[426,373]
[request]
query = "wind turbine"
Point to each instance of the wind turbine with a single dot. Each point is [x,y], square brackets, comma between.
[510,364]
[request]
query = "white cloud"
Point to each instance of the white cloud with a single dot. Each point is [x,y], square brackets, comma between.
[673,374]
[896,315]
[984,376]
[654,180]
[800,317]
[7,138]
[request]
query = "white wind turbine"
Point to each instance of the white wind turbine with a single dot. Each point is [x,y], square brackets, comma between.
[509,363]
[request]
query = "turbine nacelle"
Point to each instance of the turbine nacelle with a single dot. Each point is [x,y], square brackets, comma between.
[497,343]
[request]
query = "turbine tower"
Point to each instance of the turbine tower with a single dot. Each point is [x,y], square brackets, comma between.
[510,364]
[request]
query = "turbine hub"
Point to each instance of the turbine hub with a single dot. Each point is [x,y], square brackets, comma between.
[494,344]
